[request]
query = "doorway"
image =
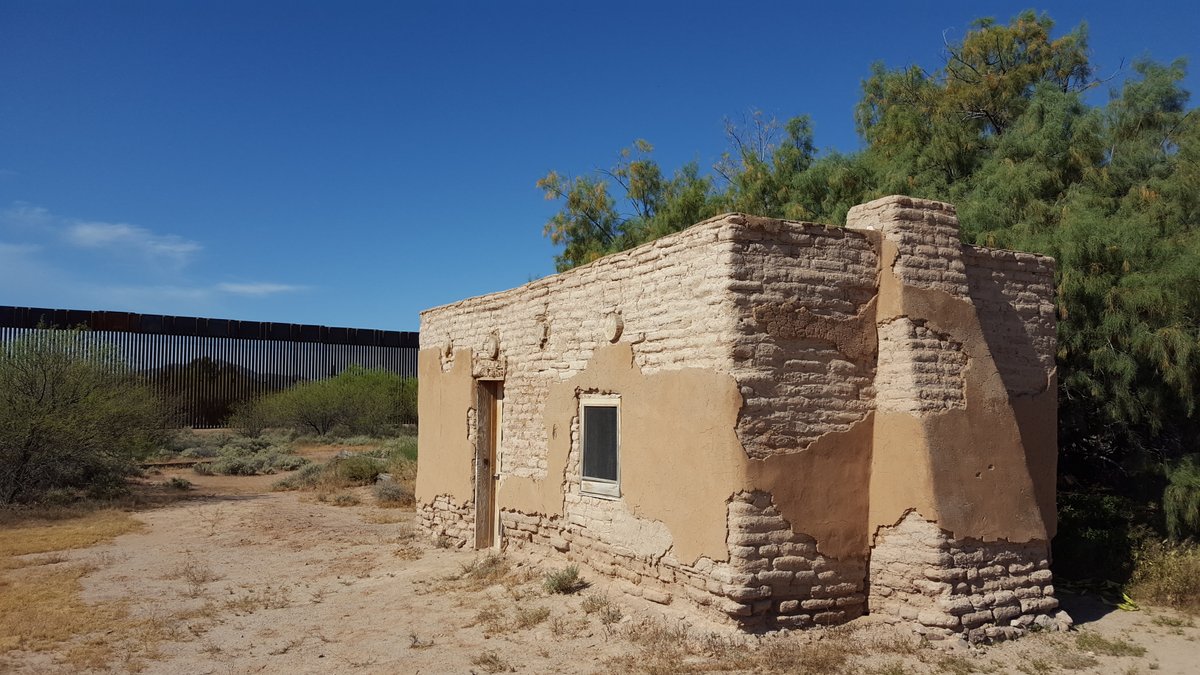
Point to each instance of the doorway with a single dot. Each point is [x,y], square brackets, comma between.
[489,399]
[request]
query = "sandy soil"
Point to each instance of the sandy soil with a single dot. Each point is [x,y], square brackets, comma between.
[247,581]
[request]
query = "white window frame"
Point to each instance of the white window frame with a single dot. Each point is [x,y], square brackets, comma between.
[598,487]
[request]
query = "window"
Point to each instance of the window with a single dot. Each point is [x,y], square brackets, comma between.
[600,431]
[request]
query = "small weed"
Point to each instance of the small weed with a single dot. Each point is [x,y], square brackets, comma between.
[564,581]
[195,573]
[492,618]
[492,663]
[566,627]
[417,643]
[178,483]
[527,617]
[341,499]
[485,571]
[393,494]
[602,607]
[1093,642]
[1035,667]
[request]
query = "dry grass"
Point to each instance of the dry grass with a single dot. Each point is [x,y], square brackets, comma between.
[387,516]
[40,604]
[492,662]
[528,617]
[1098,644]
[40,608]
[1168,574]
[254,599]
[49,531]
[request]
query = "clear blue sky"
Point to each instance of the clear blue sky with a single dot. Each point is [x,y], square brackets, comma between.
[351,163]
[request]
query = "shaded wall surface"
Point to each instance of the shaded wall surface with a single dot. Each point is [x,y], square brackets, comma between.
[790,393]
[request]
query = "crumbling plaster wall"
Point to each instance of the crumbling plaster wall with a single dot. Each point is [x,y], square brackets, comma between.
[789,393]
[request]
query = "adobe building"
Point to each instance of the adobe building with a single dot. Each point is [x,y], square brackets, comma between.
[787,423]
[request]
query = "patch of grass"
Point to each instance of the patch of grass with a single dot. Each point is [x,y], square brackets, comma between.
[1098,644]
[1168,574]
[1035,667]
[889,668]
[41,532]
[178,483]
[1069,660]
[41,608]
[491,662]
[269,597]
[564,581]
[1172,622]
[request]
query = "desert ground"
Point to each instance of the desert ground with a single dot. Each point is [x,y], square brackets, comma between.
[231,577]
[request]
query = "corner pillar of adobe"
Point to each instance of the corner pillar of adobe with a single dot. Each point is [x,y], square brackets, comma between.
[958,545]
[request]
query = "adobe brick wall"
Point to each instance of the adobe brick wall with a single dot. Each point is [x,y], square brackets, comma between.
[886,329]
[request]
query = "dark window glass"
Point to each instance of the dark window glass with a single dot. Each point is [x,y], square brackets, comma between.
[600,442]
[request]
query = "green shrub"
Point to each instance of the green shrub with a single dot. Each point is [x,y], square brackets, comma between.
[308,476]
[71,417]
[563,581]
[200,453]
[358,469]
[357,402]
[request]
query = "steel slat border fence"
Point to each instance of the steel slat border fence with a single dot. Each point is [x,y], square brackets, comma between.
[206,366]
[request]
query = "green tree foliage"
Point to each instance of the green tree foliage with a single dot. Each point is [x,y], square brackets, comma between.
[1181,500]
[1003,130]
[356,401]
[590,224]
[71,418]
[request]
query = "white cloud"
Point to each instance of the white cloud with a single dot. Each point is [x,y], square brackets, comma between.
[27,216]
[259,289]
[131,237]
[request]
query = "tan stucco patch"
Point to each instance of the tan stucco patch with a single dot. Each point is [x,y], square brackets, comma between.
[972,470]
[818,491]
[446,454]
[679,460]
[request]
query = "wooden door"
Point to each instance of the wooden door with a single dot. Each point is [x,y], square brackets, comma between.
[489,395]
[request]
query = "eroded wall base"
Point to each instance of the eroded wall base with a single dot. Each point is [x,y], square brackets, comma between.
[943,586]
[449,523]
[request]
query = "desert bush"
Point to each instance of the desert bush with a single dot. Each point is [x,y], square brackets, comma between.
[71,417]
[357,402]
[391,493]
[246,456]
[563,581]
[1167,573]
[358,469]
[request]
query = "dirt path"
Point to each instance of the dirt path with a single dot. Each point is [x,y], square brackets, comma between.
[279,583]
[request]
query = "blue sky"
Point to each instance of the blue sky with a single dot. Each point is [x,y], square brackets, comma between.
[351,163]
